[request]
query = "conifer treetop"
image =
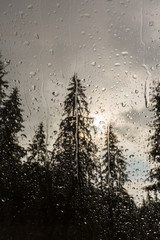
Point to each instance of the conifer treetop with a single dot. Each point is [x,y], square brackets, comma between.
[3,83]
[76,96]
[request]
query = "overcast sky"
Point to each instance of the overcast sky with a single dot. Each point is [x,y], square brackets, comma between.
[112,44]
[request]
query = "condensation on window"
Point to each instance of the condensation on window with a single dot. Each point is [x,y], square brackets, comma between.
[79,119]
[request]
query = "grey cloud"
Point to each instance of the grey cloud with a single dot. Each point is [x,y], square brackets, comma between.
[142,116]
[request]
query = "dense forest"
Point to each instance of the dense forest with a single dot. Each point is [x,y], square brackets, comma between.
[69,193]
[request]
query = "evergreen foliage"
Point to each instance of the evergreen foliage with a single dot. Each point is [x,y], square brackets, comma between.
[11,124]
[154,153]
[3,83]
[113,162]
[74,147]
[11,153]
[37,149]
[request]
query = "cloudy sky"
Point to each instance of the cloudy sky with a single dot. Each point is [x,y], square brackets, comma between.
[113,45]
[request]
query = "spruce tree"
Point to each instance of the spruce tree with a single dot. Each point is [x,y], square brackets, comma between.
[74,147]
[3,86]
[154,154]
[119,215]
[37,149]
[75,154]
[12,123]
[37,177]
[11,154]
[3,83]
[113,162]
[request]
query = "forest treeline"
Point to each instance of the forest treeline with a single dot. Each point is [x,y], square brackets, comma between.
[69,193]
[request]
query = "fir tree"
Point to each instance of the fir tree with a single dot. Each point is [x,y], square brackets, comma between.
[3,86]
[114,162]
[154,154]
[117,201]
[3,83]
[11,118]
[75,150]
[75,155]
[11,154]
[37,149]
[149,216]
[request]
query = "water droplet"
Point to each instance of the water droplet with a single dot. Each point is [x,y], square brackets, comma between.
[124,53]
[7,62]
[33,87]
[26,43]
[49,64]
[55,94]
[34,99]
[51,51]
[134,76]
[101,122]
[32,74]
[127,29]
[117,64]
[30,6]
[124,104]
[93,63]
[21,14]
[151,23]
[87,15]
[36,35]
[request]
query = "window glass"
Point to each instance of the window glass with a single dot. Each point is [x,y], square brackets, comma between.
[79,119]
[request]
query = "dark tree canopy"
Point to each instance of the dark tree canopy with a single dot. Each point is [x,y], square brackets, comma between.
[76,98]
[113,162]
[12,124]
[37,149]
[154,154]
[75,150]
[3,83]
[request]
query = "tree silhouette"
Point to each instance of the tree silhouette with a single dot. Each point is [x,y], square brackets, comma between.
[150,208]
[11,154]
[3,86]
[37,149]
[154,153]
[119,207]
[149,216]
[11,119]
[75,155]
[113,162]
[3,83]
[75,150]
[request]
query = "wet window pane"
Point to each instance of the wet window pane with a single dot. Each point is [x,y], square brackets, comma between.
[79,119]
